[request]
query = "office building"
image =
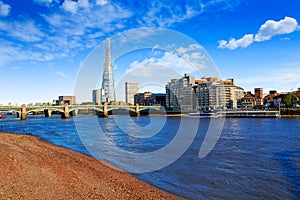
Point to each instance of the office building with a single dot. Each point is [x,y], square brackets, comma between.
[108,76]
[98,96]
[158,99]
[71,100]
[150,99]
[216,94]
[180,95]
[131,88]
[143,99]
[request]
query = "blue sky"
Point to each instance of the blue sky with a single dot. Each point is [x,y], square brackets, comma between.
[45,42]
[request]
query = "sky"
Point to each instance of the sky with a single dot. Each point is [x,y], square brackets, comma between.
[47,44]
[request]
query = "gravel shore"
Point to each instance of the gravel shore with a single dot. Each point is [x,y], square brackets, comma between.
[31,168]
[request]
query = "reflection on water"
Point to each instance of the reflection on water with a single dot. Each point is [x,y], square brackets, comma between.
[253,159]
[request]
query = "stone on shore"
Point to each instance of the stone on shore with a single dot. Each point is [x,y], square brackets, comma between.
[31,168]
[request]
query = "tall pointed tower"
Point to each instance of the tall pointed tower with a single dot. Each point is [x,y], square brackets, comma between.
[108,77]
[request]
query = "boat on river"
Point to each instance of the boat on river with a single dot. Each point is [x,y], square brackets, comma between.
[251,114]
[237,114]
[205,115]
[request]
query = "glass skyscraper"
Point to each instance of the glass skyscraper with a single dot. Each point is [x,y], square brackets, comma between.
[108,76]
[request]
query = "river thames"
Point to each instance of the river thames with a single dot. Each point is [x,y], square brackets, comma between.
[253,158]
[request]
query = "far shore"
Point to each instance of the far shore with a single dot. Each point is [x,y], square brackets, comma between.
[290,116]
[185,114]
[34,169]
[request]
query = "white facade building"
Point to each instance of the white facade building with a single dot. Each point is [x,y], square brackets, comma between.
[131,88]
[98,96]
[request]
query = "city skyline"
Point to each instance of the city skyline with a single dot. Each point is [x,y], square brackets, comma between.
[255,42]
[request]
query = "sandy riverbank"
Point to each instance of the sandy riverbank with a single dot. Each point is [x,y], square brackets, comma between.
[34,169]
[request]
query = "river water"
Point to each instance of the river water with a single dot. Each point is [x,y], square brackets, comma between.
[252,159]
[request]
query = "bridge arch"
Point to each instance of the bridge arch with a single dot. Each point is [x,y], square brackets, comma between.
[121,108]
[43,110]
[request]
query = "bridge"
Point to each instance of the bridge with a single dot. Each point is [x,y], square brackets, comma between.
[66,110]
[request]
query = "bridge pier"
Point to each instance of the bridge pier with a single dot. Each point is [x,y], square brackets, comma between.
[74,112]
[23,112]
[105,111]
[103,114]
[47,113]
[18,114]
[65,114]
[137,111]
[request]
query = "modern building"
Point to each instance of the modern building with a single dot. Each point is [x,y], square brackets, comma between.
[180,95]
[233,94]
[71,100]
[143,99]
[216,94]
[108,76]
[98,96]
[150,99]
[131,88]
[158,99]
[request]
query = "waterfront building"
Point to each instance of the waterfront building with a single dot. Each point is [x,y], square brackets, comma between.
[180,95]
[277,101]
[210,94]
[216,94]
[143,99]
[204,94]
[71,100]
[269,99]
[158,99]
[233,94]
[255,100]
[98,96]
[248,101]
[150,99]
[297,93]
[259,98]
[108,76]
[131,88]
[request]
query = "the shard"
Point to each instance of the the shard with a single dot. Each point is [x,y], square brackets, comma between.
[108,76]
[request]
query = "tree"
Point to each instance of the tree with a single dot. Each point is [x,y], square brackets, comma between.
[289,100]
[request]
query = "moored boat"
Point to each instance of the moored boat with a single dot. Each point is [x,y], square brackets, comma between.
[205,115]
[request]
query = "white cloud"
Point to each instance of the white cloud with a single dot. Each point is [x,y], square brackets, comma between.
[101,2]
[164,14]
[266,31]
[83,4]
[285,38]
[16,68]
[82,24]
[192,47]
[281,79]
[4,9]
[64,38]
[167,13]
[271,28]
[9,52]
[70,6]
[73,7]
[233,43]
[43,1]
[63,75]
[180,64]
[16,30]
